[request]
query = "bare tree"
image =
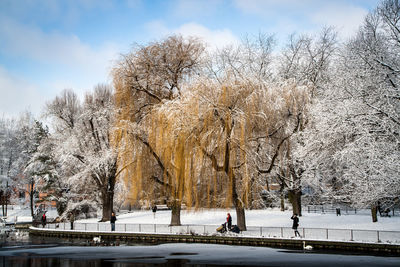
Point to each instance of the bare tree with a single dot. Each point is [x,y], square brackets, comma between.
[305,60]
[144,79]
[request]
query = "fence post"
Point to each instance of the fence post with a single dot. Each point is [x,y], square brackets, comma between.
[304,233]
[327,236]
[204,232]
[282,232]
[125,227]
[377,233]
[351,235]
[261,231]
[140,228]
[155,228]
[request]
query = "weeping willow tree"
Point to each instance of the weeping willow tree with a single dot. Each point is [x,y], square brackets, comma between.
[208,137]
[192,140]
[150,157]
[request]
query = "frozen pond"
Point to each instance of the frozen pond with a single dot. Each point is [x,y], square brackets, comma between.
[56,252]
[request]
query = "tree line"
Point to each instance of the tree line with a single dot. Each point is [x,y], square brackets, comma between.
[182,124]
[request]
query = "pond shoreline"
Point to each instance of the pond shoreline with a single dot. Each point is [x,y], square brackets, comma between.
[295,243]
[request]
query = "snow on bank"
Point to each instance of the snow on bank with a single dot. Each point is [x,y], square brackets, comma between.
[16,214]
[266,218]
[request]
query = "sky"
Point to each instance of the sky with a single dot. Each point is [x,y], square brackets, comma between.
[47,46]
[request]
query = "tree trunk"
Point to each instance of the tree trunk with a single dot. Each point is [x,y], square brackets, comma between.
[107,198]
[31,196]
[241,218]
[107,207]
[282,195]
[295,199]
[374,211]
[7,197]
[175,213]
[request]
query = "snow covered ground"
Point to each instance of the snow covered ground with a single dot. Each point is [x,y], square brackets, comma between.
[265,218]
[23,214]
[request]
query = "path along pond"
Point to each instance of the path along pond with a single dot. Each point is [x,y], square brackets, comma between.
[20,249]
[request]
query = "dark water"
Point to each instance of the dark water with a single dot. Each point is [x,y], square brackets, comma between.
[39,251]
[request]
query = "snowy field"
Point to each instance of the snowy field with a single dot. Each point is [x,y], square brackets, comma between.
[23,214]
[265,218]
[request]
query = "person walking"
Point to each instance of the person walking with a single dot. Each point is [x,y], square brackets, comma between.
[229,221]
[112,221]
[44,219]
[338,211]
[72,219]
[295,224]
[154,209]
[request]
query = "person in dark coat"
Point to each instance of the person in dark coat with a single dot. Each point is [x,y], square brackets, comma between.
[44,219]
[295,224]
[72,219]
[338,211]
[235,229]
[154,209]
[229,221]
[112,221]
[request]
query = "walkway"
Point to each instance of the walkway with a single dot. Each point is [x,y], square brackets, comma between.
[353,235]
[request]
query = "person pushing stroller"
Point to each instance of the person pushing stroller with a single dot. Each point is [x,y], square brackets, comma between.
[229,221]
[227,226]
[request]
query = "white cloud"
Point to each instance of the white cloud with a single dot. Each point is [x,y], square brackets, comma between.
[57,48]
[214,38]
[18,95]
[275,7]
[346,18]
[67,63]
[157,29]
[307,15]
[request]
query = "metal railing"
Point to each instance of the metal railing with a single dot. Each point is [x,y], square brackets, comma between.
[370,236]
[346,210]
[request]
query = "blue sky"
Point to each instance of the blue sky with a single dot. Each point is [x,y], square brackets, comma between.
[49,45]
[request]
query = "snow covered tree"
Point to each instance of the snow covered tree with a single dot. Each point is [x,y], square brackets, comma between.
[44,166]
[353,145]
[307,61]
[230,119]
[144,79]
[29,138]
[83,145]
[20,141]
[8,154]
[200,132]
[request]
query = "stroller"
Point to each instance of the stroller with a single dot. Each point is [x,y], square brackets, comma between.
[222,228]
